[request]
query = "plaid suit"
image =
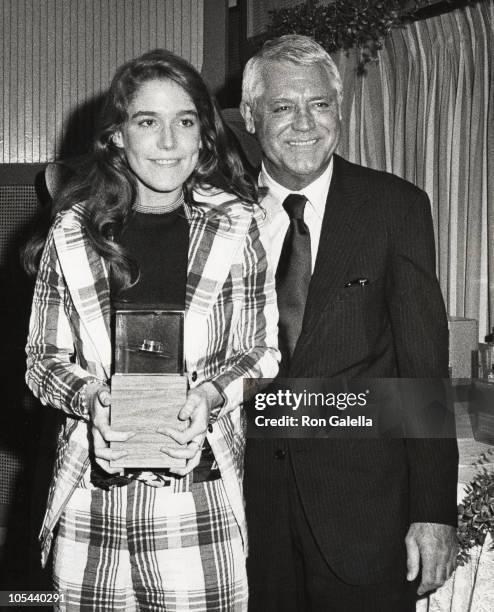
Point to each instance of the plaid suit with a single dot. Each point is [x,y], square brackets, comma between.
[230,332]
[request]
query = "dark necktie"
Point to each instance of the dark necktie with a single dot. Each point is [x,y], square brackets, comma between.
[293,277]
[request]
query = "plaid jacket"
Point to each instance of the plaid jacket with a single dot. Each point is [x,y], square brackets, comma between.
[230,332]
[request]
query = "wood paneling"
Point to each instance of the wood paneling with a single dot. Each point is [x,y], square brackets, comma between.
[57,58]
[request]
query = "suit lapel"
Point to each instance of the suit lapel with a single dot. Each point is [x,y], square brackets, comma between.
[87,281]
[215,236]
[341,233]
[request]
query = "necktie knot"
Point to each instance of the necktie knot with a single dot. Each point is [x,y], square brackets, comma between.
[294,205]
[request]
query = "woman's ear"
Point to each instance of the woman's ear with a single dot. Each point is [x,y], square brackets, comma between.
[117,139]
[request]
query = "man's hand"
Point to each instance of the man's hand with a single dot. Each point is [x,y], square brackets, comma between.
[432,548]
[98,402]
[196,410]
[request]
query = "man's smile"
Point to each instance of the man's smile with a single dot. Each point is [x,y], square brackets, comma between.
[302,143]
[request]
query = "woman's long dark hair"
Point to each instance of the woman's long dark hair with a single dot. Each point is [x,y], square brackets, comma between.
[109,188]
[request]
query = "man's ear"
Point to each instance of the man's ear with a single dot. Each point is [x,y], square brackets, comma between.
[246,112]
[117,139]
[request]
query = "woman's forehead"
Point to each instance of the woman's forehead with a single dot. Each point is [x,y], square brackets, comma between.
[160,94]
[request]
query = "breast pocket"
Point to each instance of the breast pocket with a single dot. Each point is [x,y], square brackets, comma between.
[360,293]
[362,311]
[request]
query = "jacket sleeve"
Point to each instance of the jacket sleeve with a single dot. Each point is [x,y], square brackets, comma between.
[256,352]
[420,333]
[52,374]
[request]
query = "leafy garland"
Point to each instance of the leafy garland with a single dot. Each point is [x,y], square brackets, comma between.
[344,24]
[476,511]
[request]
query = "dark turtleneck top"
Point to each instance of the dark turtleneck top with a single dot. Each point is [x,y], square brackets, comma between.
[158,244]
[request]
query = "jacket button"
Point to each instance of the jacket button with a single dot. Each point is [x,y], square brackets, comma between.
[280,453]
[193,376]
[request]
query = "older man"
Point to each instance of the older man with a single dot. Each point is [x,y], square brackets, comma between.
[344,524]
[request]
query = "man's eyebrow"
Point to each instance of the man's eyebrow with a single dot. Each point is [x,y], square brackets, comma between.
[145,113]
[319,96]
[328,97]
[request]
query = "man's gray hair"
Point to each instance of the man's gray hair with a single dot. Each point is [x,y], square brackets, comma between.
[294,48]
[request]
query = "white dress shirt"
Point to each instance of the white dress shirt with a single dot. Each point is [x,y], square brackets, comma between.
[278,220]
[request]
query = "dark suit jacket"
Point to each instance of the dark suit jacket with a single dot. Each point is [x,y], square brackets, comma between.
[360,496]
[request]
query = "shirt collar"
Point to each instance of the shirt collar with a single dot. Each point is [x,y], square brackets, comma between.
[316,192]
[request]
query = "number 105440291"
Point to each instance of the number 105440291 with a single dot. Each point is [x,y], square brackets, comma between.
[30,598]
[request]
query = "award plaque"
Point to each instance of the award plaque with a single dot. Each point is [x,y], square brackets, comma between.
[148,386]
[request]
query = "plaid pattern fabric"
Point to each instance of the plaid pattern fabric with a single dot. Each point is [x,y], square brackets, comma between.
[230,332]
[142,548]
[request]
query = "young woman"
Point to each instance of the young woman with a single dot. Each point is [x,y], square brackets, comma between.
[164,215]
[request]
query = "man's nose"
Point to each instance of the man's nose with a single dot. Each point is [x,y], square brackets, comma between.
[166,138]
[303,120]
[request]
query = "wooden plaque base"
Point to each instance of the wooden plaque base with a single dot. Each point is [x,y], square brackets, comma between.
[142,403]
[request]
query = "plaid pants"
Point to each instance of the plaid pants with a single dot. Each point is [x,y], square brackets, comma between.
[138,547]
